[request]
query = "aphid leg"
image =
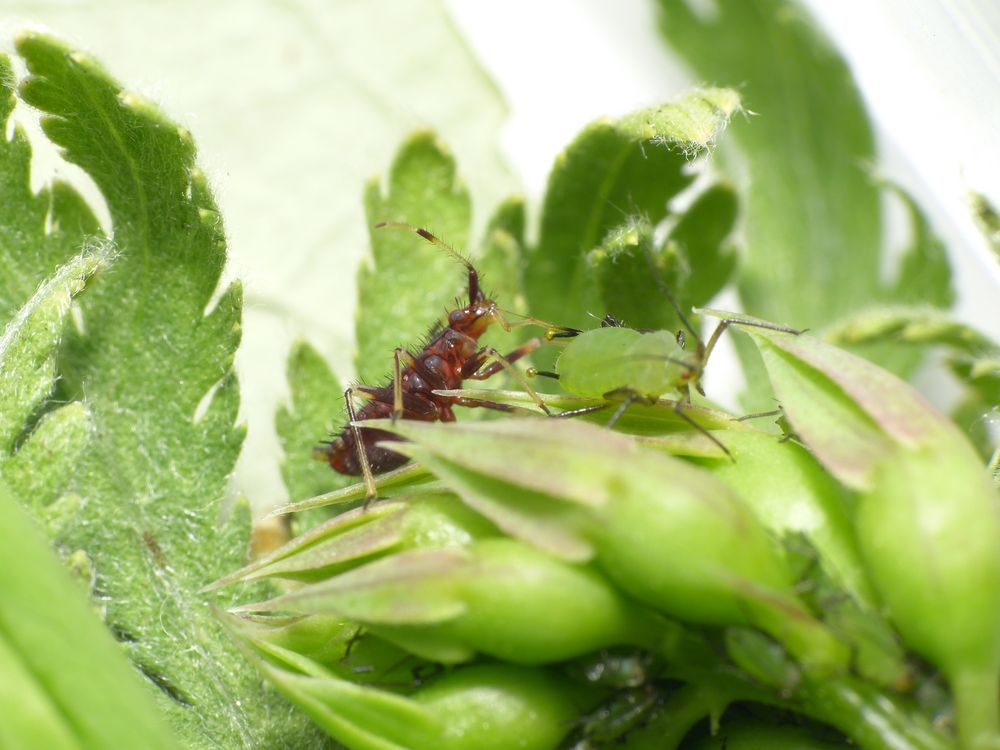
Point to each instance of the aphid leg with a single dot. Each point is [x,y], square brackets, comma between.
[758,415]
[370,492]
[502,362]
[424,672]
[726,322]
[533,372]
[397,380]
[351,643]
[683,403]
[630,398]
[481,403]
[582,410]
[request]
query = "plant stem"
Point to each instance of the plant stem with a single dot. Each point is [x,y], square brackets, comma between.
[869,717]
[977,708]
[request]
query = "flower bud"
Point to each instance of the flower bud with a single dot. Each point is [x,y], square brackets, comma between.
[665,532]
[357,536]
[480,707]
[928,521]
[498,597]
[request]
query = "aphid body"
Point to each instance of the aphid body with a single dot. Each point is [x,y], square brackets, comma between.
[640,366]
[603,360]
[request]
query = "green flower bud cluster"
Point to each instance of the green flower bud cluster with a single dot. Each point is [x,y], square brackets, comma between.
[564,586]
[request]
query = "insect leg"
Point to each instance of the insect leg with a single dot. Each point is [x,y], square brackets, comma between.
[482,403]
[474,370]
[679,407]
[397,380]
[504,363]
[582,410]
[758,415]
[366,470]
[630,398]
[726,322]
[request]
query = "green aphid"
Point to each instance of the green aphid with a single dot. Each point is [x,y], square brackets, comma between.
[639,366]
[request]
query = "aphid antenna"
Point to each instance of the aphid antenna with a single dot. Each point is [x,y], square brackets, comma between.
[665,290]
[554,330]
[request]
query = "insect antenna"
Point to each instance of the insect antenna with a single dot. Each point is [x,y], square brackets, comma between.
[665,290]
[474,293]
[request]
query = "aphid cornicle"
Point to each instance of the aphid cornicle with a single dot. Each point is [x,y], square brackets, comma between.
[451,356]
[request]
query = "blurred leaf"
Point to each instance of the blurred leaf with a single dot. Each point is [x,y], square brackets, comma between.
[813,221]
[156,372]
[924,275]
[849,412]
[700,237]
[769,735]
[66,684]
[971,356]
[623,266]
[988,219]
[499,267]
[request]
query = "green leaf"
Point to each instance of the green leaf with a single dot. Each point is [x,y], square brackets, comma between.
[316,401]
[410,282]
[28,345]
[613,169]
[154,363]
[66,683]
[692,264]
[813,222]
[40,232]
[924,275]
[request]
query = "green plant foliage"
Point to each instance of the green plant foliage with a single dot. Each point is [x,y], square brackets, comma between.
[152,362]
[614,169]
[813,223]
[66,684]
[813,217]
[409,282]
[309,417]
[692,264]
[927,521]
[988,220]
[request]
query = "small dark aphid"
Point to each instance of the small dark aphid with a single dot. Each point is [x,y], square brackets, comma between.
[451,356]
[610,723]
